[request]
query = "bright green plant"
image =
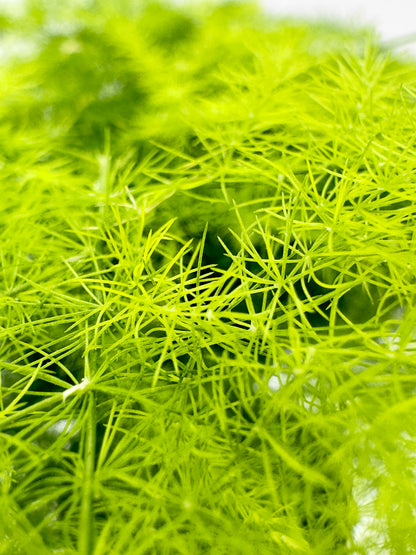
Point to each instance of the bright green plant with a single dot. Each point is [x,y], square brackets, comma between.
[207,319]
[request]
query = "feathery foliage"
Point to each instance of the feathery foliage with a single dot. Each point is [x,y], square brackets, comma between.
[207,318]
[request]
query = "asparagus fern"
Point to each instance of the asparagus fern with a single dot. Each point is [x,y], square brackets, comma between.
[207,323]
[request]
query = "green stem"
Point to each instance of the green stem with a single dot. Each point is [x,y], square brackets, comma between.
[86,536]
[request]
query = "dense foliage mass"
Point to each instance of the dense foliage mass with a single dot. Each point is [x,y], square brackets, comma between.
[207,284]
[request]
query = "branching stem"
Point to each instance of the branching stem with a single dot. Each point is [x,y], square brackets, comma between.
[86,536]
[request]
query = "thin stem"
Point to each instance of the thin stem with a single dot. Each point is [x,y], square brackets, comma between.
[86,536]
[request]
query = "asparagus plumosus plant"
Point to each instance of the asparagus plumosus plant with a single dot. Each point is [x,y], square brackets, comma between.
[207,314]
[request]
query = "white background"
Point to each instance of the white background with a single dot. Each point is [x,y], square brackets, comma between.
[391,18]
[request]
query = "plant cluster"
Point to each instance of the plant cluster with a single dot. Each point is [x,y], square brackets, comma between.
[208,251]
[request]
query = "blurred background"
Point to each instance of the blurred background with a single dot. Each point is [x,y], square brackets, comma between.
[395,21]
